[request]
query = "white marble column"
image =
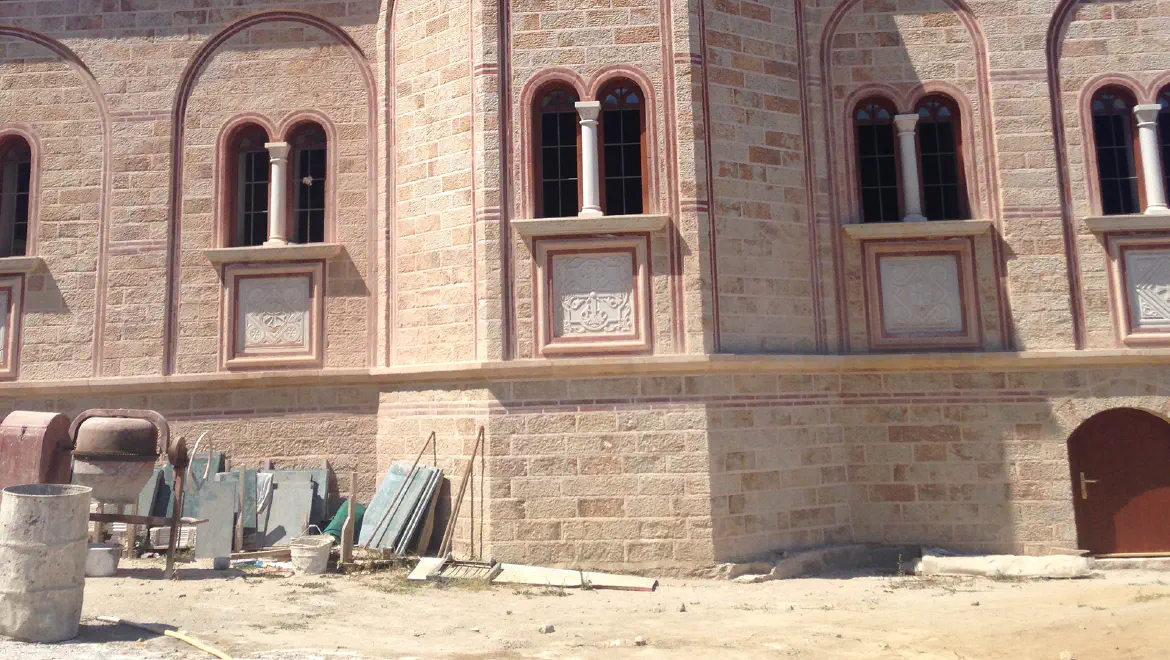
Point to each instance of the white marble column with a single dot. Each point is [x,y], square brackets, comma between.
[277,191]
[1147,122]
[590,186]
[911,195]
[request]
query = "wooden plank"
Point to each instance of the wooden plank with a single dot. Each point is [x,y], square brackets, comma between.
[347,528]
[275,554]
[155,521]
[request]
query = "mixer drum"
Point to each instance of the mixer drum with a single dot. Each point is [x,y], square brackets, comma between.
[114,456]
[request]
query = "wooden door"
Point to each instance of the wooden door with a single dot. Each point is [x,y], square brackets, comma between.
[1120,463]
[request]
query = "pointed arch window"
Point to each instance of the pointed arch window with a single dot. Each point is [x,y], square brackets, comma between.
[556,155]
[248,173]
[309,153]
[943,195]
[15,180]
[1112,112]
[877,161]
[623,122]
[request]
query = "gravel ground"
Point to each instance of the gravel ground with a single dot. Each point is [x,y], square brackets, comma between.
[1116,615]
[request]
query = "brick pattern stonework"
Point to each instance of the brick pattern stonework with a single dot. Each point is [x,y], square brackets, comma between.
[668,459]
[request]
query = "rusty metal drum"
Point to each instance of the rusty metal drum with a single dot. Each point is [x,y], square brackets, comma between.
[34,448]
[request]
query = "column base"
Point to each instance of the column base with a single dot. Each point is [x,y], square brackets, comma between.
[914,217]
[590,213]
[1160,209]
[276,241]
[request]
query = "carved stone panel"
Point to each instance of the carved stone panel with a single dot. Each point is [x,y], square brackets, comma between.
[593,295]
[921,294]
[1147,279]
[274,314]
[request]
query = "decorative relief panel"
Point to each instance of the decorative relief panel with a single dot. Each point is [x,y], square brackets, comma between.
[273,314]
[1147,278]
[591,295]
[11,293]
[920,294]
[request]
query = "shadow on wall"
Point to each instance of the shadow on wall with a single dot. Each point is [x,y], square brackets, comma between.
[965,461]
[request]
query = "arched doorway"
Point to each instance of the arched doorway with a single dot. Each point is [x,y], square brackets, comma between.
[1120,464]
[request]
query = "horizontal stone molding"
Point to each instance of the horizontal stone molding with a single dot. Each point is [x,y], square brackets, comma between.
[21,264]
[578,226]
[273,253]
[1105,224]
[656,365]
[909,230]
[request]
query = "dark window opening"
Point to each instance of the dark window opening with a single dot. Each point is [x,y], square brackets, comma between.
[251,188]
[621,123]
[938,131]
[557,154]
[309,183]
[1113,137]
[15,179]
[877,163]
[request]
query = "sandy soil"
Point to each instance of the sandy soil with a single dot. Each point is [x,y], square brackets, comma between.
[1118,615]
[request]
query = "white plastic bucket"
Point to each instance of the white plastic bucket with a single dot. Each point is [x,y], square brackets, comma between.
[43,530]
[101,559]
[310,554]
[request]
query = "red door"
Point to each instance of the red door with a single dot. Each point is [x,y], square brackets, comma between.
[1120,461]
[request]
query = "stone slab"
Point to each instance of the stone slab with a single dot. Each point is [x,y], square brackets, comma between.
[288,514]
[1051,566]
[217,504]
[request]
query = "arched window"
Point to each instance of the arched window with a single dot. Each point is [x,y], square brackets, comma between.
[15,178]
[877,164]
[1113,137]
[943,196]
[623,163]
[556,155]
[247,178]
[308,159]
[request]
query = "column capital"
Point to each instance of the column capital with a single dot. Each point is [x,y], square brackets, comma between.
[906,123]
[588,110]
[1147,113]
[277,149]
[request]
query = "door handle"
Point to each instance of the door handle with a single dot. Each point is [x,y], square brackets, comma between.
[1085,486]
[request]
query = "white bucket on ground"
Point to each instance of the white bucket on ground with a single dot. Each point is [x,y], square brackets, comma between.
[101,559]
[43,529]
[310,554]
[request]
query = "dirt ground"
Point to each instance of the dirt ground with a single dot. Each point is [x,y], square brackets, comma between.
[1116,615]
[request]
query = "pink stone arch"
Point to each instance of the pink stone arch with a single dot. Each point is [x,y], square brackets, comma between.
[1085,118]
[74,61]
[615,72]
[836,177]
[555,76]
[187,82]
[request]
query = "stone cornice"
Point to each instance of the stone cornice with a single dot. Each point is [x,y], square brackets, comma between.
[593,367]
[929,229]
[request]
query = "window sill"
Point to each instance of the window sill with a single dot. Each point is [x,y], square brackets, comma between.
[268,253]
[21,264]
[605,224]
[929,229]
[1102,224]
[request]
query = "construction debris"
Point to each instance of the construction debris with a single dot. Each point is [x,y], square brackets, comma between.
[1052,566]
[536,576]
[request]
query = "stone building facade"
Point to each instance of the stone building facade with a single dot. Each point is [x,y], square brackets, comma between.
[633,239]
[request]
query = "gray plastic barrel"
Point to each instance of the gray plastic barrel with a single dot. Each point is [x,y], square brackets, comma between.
[43,529]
